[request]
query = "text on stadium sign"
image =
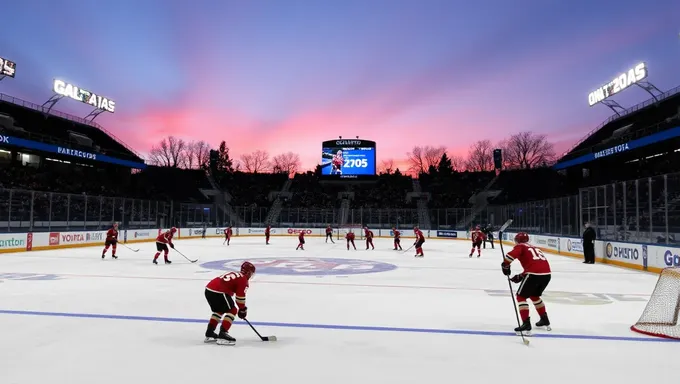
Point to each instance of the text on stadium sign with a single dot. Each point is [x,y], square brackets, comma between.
[348,142]
[84,96]
[620,82]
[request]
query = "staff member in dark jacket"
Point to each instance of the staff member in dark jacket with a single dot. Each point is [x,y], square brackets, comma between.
[488,231]
[589,236]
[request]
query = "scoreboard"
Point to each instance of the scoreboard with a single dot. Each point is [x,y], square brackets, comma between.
[348,159]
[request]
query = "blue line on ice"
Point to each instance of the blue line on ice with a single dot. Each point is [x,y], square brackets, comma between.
[342,327]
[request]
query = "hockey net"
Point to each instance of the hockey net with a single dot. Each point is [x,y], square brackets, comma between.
[660,317]
[356,228]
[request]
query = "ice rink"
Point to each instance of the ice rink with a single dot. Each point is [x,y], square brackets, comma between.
[361,316]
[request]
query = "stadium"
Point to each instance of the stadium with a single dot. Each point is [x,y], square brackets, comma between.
[66,180]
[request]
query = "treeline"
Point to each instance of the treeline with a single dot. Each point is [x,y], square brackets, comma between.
[177,153]
[524,150]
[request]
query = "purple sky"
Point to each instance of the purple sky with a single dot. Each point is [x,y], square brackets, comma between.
[285,75]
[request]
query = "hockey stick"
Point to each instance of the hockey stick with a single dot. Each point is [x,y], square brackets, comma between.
[133,250]
[263,338]
[512,293]
[192,261]
[406,250]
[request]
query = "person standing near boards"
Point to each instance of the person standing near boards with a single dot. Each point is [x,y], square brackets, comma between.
[589,237]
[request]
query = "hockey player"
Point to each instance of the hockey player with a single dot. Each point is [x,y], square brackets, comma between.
[329,234]
[534,280]
[301,240]
[227,235]
[397,238]
[111,241]
[350,239]
[420,239]
[369,238]
[218,293]
[267,232]
[162,242]
[477,237]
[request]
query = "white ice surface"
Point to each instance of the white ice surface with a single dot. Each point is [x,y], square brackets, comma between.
[444,292]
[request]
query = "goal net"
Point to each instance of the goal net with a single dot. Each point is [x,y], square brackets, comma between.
[345,229]
[660,317]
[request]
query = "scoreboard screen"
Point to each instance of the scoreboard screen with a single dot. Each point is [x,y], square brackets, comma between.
[348,159]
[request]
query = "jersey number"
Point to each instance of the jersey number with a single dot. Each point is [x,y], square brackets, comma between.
[230,276]
[537,254]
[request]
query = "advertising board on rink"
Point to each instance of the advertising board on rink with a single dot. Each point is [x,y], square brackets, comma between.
[649,257]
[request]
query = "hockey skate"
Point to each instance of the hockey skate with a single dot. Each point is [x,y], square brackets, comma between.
[114,256]
[225,339]
[525,328]
[168,261]
[210,336]
[471,255]
[544,323]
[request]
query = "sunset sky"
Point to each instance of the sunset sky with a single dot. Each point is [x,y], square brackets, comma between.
[285,75]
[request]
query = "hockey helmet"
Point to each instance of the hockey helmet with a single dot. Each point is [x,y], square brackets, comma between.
[521,237]
[478,226]
[173,229]
[248,269]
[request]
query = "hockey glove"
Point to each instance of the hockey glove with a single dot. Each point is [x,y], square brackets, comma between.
[506,269]
[172,246]
[517,278]
[242,313]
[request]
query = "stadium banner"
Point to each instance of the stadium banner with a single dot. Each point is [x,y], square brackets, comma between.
[448,234]
[572,245]
[65,151]
[76,93]
[137,235]
[620,148]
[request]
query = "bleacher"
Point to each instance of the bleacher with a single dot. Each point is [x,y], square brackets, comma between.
[26,120]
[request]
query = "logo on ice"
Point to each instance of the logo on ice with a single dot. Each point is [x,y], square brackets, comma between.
[305,267]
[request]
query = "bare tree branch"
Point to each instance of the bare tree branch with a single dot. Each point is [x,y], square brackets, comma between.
[433,155]
[416,160]
[188,157]
[480,157]
[168,153]
[202,154]
[256,162]
[457,163]
[386,167]
[527,150]
[288,163]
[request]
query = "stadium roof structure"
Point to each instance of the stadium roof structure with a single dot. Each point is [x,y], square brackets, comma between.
[63,115]
[638,116]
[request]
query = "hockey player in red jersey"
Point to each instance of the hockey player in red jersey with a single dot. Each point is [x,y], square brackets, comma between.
[397,238]
[420,239]
[218,293]
[111,241]
[534,279]
[477,237]
[162,242]
[227,235]
[301,240]
[329,234]
[350,239]
[369,238]
[267,233]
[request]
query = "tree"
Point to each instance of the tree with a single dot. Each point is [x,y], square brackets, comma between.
[224,161]
[288,163]
[256,162]
[480,157]
[170,152]
[527,150]
[386,167]
[202,152]
[445,167]
[189,156]
[457,163]
[421,159]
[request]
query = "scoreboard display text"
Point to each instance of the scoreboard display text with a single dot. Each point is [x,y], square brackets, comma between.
[7,67]
[348,159]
